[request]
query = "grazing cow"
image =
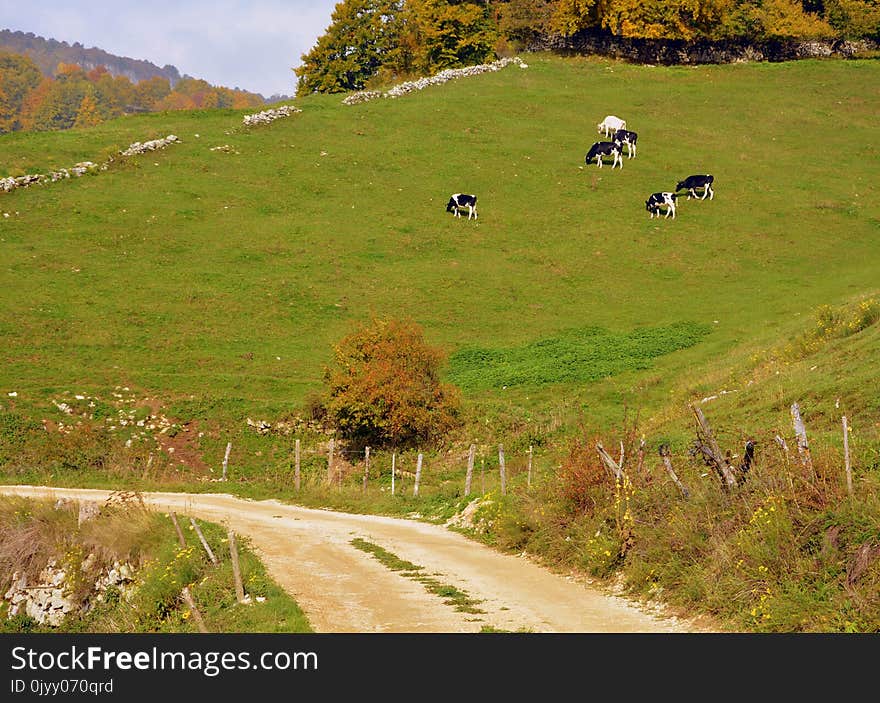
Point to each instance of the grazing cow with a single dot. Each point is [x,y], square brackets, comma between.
[610,125]
[621,137]
[461,201]
[600,149]
[691,183]
[661,200]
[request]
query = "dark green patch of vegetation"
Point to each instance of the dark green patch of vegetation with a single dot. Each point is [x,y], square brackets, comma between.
[573,356]
[386,558]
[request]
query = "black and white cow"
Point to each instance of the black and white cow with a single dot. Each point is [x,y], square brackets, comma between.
[623,136]
[691,183]
[462,201]
[600,149]
[661,200]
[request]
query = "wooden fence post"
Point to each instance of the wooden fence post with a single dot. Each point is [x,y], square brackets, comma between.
[180,537]
[418,474]
[393,469]
[803,445]
[226,459]
[296,465]
[330,461]
[849,486]
[667,462]
[236,570]
[203,541]
[366,467]
[719,459]
[615,468]
[191,604]
[483,475]
[529,479]
[502,469]
[783,445]
[470,470]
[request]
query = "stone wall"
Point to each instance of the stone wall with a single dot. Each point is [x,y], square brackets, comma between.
[675,52]
[267,116]
[12,182]
[443,77]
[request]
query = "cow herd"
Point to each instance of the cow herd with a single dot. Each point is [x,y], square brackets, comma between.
[615,128]
[616,137]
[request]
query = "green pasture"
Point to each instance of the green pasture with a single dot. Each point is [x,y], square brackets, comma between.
[225,277]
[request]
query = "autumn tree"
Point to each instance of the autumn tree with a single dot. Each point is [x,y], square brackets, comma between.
[70,72]
[522,21]
[96,73]
[32,102]
[384,386]
[571,16]
[88,114]
[242,99]
[149,92]
[174,101]
[113,95]
[362,35]
[693,19]
[446,34]
[54,104]
[19,75]
[783,18]
[395,38]
[854,18]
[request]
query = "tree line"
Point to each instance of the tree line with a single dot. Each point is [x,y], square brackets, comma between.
[74,97]
[371,42]
[48,53]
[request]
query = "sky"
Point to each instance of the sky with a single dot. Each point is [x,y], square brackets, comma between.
[249,44]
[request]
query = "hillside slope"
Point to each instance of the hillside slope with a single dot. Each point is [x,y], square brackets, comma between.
[222,270]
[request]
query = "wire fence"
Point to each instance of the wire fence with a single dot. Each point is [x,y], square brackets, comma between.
[479,469]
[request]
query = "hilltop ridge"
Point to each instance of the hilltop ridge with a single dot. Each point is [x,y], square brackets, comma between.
[48,53]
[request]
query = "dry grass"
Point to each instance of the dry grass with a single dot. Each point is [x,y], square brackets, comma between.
[33,533]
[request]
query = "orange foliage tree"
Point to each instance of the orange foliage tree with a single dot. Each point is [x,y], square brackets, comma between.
[174,101]
[87,115]
[385,389]
[18,76]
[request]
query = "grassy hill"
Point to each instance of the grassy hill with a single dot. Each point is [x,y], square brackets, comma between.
[207,286]
[170,271]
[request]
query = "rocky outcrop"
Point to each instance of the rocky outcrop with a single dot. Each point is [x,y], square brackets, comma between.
[45,601]
[49,600]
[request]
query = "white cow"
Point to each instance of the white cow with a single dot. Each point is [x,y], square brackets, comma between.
[610,125]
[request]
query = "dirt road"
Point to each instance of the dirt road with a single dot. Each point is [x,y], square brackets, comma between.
[343,589]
